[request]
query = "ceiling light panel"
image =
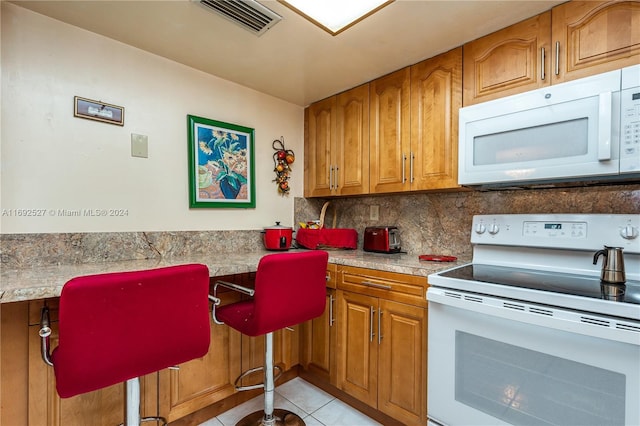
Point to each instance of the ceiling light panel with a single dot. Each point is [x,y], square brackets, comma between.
[335,16]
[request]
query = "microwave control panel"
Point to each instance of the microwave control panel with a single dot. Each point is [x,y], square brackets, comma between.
[630,131]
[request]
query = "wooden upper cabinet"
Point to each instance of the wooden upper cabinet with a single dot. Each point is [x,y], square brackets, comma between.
[574,40]
[594,37]
[436,96]
[389,135]
[337,144]
[320,131]
[352,142]
[512,60]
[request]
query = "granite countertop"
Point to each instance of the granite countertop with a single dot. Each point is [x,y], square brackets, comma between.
[47,281]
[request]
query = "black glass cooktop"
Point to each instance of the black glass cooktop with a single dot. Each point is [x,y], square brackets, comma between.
[578,285]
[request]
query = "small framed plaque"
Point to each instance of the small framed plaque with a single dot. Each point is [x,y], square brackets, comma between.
[98,111]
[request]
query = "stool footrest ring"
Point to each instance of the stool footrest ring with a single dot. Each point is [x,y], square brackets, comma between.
[251,371]
[151,419]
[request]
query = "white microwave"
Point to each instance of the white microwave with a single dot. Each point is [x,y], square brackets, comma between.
[584,130]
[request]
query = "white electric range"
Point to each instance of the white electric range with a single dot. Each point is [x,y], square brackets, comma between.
[528,334]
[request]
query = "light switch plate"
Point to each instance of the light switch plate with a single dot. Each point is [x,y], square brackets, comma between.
[374,212]
[139,145]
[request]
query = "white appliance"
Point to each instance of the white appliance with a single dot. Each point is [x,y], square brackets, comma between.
[527,334]
[582,130]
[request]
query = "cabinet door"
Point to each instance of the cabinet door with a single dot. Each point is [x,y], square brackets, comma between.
[101,407]
[508,61]
[357,346]
[436,96]
[402,363]
[352,142]
[203,381]
[594,37]
[320,130]
[318,346]
[389,135]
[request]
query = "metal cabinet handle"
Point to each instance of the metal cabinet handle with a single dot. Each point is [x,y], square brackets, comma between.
[557,57]
[376,285]
[337,179]
[411,168]
[331,178]
[379,325]
[371,333]
[404,162]
[289,329]
[331,319]
[542,61]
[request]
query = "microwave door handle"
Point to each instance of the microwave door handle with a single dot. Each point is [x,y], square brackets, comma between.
[604,127]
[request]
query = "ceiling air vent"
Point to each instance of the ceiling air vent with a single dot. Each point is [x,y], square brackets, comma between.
[249,14]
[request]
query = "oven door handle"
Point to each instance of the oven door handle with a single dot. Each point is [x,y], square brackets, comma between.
[588,324]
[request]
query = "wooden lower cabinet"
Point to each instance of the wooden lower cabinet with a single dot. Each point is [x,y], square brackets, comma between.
[370,343]
[171,393]
[357,357]
[381,352]
[402,362]
[201,382]
[100,407]
[317,344]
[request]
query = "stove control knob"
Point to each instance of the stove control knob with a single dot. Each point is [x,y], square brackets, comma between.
[480,228]
[494,229]
[629,232]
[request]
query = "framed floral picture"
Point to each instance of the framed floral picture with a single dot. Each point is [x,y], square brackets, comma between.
[221,164]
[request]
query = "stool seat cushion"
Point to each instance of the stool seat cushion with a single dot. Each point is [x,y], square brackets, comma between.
[117,326]
[290,288]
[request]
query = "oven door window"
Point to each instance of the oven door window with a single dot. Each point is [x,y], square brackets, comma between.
[525,387]
[491,365]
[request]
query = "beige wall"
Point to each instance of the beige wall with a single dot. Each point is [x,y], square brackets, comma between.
[51,160]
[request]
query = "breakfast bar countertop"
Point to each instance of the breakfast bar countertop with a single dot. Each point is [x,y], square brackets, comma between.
[41,282]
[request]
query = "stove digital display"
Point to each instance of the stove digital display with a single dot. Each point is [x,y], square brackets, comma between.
[557,230]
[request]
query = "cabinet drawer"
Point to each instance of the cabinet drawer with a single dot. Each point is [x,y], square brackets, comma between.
[332,275]
[389,285]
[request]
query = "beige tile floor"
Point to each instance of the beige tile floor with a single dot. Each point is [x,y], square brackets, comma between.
[316,407]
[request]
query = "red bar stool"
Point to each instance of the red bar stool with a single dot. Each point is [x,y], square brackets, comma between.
[289,289]
[111,327]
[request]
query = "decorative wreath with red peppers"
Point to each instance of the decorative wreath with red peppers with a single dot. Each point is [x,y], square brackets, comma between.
[282,159]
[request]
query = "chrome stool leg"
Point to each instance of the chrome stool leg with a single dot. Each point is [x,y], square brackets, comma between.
[270,416]
[132,407]
[132,417]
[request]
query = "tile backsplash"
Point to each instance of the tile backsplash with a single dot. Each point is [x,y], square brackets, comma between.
[440,223]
